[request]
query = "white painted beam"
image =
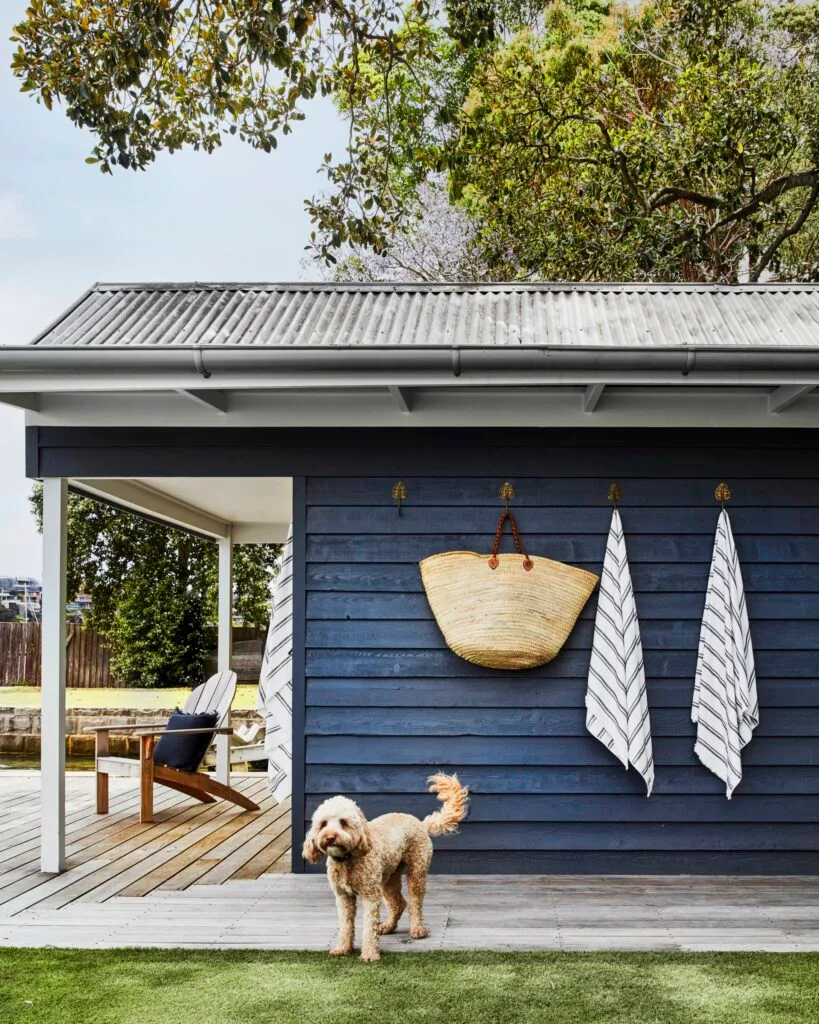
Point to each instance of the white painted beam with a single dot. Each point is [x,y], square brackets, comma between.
[216,400]
[784,397]
[401,398]
[591,396]
[260,533]
[23,400]
[52,739]
[141,498]
[224,644]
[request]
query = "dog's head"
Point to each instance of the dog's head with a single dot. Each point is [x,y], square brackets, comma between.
[339,829]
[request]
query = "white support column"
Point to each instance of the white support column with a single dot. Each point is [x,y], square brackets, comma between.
[225,643]
[52,739]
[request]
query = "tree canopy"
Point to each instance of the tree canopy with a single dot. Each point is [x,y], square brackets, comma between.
[154,589]
[674,140]
[678,141]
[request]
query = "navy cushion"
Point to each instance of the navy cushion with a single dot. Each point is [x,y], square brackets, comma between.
[185,752]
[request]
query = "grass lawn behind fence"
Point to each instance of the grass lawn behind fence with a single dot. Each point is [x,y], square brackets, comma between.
[246,987]
[113,698]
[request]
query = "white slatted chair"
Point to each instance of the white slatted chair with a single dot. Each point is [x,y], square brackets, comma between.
[214,695]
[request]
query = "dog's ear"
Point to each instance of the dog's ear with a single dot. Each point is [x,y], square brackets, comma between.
[310,850]
[365,843]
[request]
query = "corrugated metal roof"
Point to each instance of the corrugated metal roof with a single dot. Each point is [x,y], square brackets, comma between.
[329,315]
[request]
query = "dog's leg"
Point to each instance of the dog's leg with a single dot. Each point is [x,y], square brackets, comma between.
[391,891]
[369,940]
[345,904]
[416,888]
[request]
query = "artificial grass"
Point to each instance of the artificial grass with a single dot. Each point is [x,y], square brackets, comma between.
[47,986]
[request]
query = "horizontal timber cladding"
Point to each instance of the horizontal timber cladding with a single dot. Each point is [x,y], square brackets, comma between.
[579,461]
[385,702]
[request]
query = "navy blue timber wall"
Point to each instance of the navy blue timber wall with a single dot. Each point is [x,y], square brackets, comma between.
[386,702]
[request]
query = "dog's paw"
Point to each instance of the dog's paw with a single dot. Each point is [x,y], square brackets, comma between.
[341,951]
[419,933]
[385,928]
[370,957]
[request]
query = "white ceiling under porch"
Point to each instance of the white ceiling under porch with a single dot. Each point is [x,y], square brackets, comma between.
[249,510]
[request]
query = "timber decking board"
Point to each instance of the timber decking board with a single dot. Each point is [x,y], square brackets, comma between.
[272,858]
[235,859]
[147,853]
[102,853]
[87,825]
[465,912]
[229,840]
[109,854]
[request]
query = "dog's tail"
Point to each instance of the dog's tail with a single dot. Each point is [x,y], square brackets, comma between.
[455,799]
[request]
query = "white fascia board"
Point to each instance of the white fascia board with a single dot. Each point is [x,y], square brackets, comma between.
[139,498]
[229,384]
[454,407]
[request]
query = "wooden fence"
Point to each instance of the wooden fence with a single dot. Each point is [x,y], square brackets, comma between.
[19,653]
[86,655]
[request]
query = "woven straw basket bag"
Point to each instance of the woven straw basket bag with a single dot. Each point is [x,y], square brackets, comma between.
[505,611]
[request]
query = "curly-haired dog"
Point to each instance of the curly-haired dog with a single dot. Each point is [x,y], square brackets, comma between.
[365,859]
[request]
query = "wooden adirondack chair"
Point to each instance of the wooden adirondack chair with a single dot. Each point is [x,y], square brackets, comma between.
[214,695]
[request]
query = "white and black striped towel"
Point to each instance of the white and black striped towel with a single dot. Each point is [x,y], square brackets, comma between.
[616,702]
[275,698]
[725,707]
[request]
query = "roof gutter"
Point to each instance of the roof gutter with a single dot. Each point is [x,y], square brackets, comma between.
[463,363]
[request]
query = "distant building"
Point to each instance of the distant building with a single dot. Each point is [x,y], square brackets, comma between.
[23,596]
[20,586]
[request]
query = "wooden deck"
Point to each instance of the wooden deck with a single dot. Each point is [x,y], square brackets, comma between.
[211,877]
[188,843]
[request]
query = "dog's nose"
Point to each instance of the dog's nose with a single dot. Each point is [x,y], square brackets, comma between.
[330,838]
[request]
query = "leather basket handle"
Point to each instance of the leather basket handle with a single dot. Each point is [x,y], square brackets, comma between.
[494,561]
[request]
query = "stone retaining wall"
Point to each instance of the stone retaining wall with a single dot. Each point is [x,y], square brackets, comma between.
[20,728]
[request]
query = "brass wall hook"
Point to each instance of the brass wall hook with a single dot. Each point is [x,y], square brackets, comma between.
[399,493]
[506,494]
[615,494]
[722,493]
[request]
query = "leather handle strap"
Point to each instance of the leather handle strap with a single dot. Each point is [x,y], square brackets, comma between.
[494,561]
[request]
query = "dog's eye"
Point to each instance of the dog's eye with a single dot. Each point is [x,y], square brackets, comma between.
[323,825]
[343,823]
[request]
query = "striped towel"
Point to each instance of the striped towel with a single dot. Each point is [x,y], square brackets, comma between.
[616,702]
[275,698]
[725,707]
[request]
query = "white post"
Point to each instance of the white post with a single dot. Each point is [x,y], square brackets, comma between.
[225,644]
[52,618]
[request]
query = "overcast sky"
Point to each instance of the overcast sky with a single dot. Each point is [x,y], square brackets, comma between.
[236,215]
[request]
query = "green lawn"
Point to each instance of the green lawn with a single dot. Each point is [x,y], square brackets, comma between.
[192,987]
[147,700]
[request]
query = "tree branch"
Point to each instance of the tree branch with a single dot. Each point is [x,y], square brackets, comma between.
[628,181]
[668,195]
[785,234]
[777,188]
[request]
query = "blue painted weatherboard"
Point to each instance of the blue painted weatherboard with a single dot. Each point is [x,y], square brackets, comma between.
[386,702]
